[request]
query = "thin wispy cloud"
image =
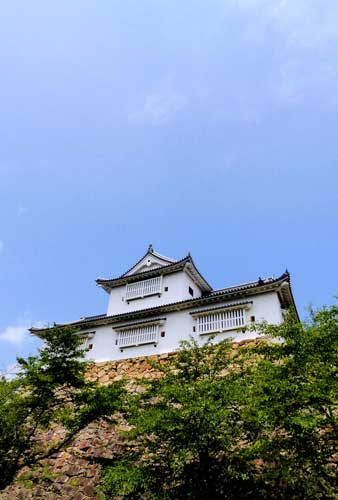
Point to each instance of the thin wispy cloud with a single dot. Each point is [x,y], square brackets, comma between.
[10,371]
[295,48]
[158,108]
[15,335]
[303,23]
[298,84]
[21,211]
[306,24]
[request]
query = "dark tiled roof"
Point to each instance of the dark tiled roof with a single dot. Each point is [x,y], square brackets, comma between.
[132,267]
[142,274]
[150,251]
[156,319]
[246,286]
[240,291]
[96,316]
[170,268]
[216,308]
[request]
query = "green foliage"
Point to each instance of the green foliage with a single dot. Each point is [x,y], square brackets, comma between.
[49,389]
[260,423]
[185,429]
[293,410]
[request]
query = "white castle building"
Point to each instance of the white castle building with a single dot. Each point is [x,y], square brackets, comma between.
[161,301]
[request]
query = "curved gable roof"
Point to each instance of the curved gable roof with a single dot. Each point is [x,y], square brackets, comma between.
[185,263]
[155,257]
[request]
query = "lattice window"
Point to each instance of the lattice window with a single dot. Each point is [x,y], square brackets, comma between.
[87,341]
[139,335]
[220,321]
[143,288]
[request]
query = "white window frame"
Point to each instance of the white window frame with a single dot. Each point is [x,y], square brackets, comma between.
[137,335]
[86,338]
[144,288]
[221,320]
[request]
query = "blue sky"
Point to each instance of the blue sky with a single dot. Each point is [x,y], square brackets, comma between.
[208,127]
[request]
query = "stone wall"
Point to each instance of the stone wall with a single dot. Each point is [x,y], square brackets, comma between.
[73,473]
[138,368]
[132,369]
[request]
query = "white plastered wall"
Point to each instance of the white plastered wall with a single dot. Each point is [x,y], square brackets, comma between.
[178,289]
[178,326]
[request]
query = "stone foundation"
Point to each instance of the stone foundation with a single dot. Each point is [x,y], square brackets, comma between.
[73,473]
[138,368]
[131,369]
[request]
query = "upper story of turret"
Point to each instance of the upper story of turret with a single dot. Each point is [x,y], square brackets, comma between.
[155,280]
[160,301]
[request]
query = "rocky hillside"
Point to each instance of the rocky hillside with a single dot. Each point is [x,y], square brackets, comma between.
[73,473]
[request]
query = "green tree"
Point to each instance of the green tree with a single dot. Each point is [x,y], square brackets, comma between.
[293,412]
[186,426]
[257,422]
[49,389]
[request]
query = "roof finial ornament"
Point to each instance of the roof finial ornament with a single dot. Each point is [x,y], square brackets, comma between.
[150,248]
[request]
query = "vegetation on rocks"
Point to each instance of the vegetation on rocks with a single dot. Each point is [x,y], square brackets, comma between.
[257,423]
[221,421]
[50,390]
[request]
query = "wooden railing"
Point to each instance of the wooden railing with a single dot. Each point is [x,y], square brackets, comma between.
[144,288]
[220,321]
[137,336]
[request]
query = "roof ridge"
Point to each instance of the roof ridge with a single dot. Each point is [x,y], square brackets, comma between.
[140,260]
[266,280]
[150,250]
[189,258]
[164,257]
[142,272]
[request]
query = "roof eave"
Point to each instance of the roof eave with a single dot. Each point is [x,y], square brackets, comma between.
[285,294]
[255,289]
[198,277]
[108,284]
[150,251]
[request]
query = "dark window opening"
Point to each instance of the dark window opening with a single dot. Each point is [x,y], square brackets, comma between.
[162,334]
[90,347]
[194,328]
[191,291]
[252,319]
[165,288]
